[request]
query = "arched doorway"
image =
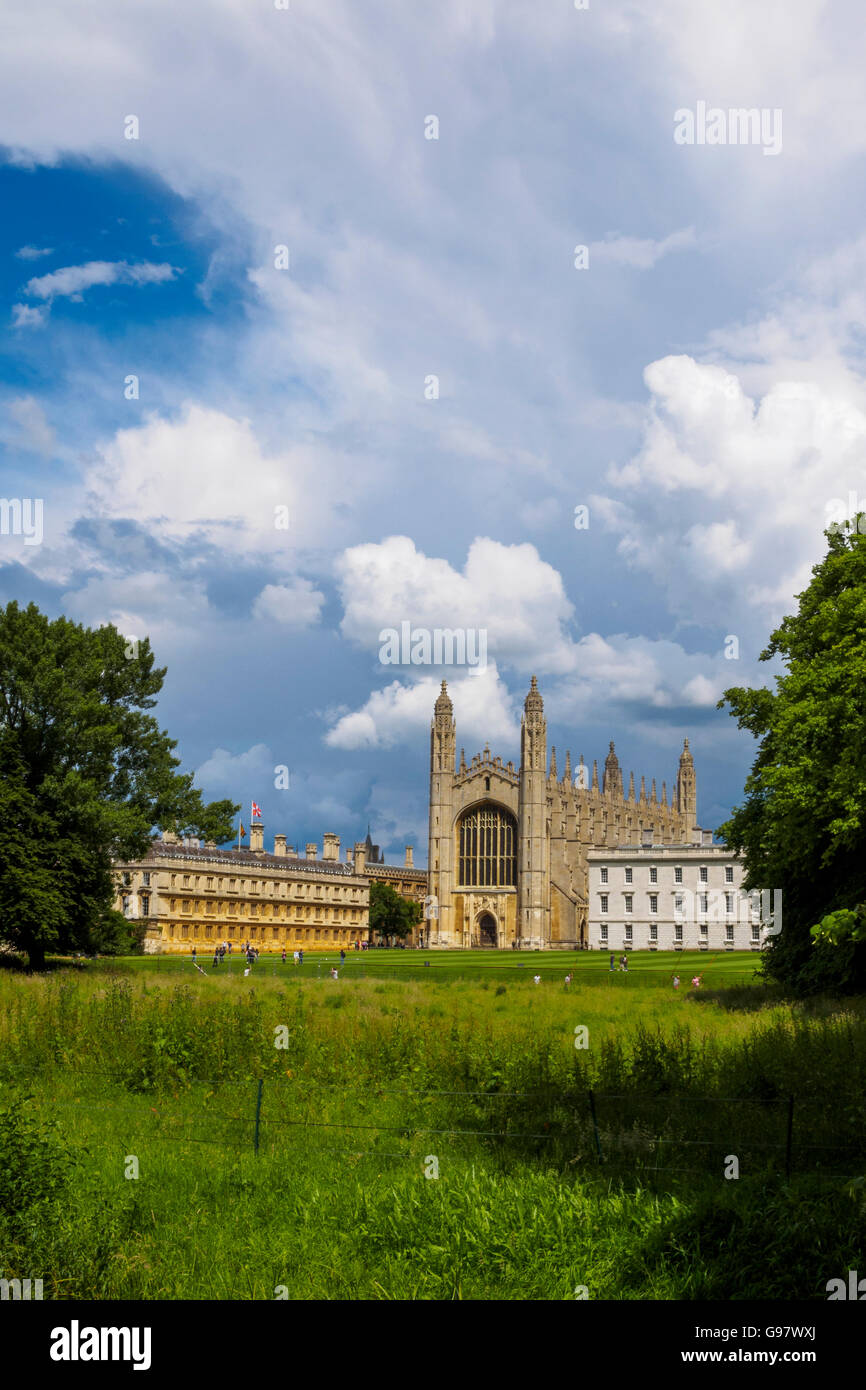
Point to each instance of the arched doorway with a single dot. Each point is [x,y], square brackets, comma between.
[487,930]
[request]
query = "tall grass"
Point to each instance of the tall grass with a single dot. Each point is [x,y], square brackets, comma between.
[377,1079]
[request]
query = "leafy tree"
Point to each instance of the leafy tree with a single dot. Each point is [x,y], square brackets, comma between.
[390,914]
[802,827]
[85,775]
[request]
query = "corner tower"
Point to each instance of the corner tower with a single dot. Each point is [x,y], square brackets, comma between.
[687,790]
[440,866]
[532,851]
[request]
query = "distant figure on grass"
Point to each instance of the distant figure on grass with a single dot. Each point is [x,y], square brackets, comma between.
[676,981]
[537,979]
[568,979]
[342,956]
[193,955]
[612,959]
[301,957]
[216,960]
[623,965]
[284,955]
[334,975]
[696,981]
[246,972]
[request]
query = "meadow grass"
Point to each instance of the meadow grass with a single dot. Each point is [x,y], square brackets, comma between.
[385,1072]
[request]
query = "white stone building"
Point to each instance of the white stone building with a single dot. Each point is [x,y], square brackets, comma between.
[663,897]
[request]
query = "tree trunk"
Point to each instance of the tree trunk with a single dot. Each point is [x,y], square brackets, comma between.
[36,954]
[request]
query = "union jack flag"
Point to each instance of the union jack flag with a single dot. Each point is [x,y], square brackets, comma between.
[256,812]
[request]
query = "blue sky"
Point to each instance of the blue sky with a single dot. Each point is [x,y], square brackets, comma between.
[698,385]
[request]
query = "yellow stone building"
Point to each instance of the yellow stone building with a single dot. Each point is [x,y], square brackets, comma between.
[187,894]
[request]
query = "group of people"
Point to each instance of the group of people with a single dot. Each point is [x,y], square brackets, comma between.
[623,962]
[696,981]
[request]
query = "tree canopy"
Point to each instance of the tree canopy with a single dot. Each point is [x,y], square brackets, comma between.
[802,826]
[85,776]
[390,914]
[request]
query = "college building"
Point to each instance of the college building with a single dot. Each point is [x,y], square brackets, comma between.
[656,897]
[188,894]
[510,848]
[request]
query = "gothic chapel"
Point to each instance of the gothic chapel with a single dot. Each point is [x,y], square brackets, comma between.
[507,847]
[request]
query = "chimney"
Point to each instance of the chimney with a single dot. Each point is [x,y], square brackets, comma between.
[280,846]
[331,846]
[360,856]
[409,864]
[350,853]
[257,834]
[312,851]
[646,836]
[707,837]
[291,852]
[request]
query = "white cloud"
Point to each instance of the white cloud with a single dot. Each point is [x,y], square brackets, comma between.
[203,475]
[33,253]
[506,590]
[402,713]
[75,279]
[23,316]
[734,490]
[627,671]
[641,253]
[295,605]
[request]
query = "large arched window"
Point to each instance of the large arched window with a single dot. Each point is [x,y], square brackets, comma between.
[488,848]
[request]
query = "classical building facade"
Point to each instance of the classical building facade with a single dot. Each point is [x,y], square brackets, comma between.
[509,847]
[188,894]
[670,898]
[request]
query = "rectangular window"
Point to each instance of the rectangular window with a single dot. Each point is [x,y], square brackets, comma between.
[654,902]
[604,931]
[145,904]
[756,932]
[628,875]
[604,875]
[145,878]
[629,932]
[678,902]
[629,902]
[654,932]
[678,933]
[702,901]
[729,873]
[604,902]
[729,932]
[703,873]
[729,903]
[703,929]
[654,875]
[678,875]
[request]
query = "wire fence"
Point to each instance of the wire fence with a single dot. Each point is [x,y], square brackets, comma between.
[637,1131]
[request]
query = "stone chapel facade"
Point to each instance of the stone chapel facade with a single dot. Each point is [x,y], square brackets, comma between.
[508,846]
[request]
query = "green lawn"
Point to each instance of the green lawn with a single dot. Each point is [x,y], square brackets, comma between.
[654,968]
[542,1187]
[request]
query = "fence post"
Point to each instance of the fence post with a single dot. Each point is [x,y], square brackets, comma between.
[594,1124]
[790,1137]
[258,1114]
